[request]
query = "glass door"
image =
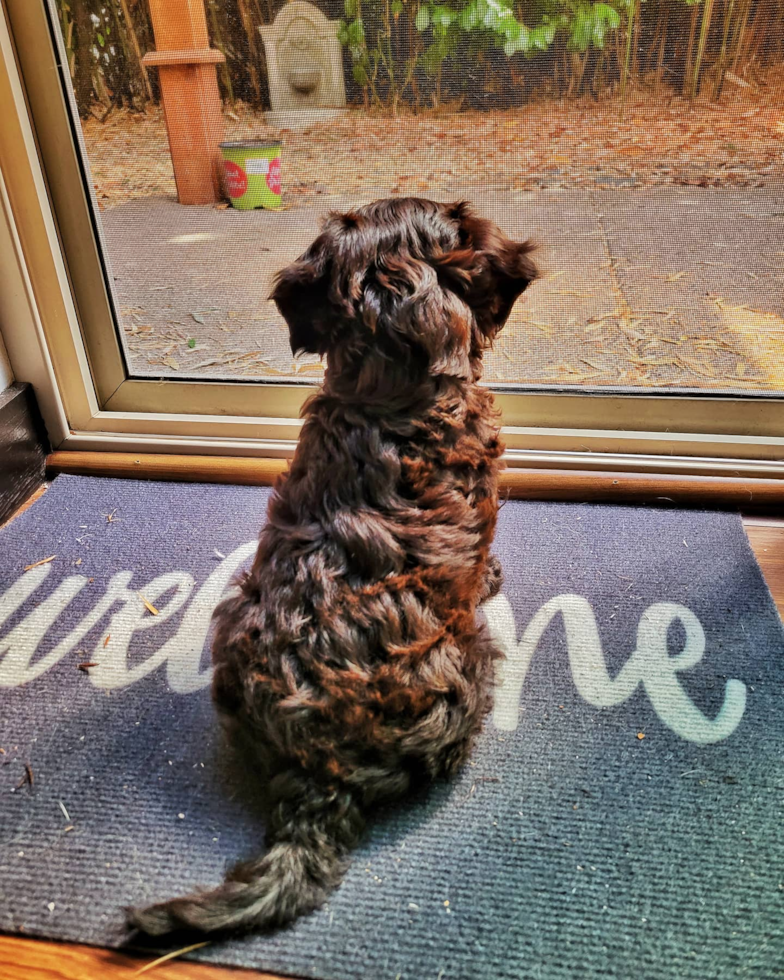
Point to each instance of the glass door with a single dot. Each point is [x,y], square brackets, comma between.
[640,142]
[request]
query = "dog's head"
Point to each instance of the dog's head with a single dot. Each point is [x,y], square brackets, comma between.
[424,285]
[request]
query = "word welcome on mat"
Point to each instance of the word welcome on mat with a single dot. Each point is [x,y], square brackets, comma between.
[649,667]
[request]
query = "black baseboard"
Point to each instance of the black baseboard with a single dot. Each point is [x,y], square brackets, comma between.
[23,448]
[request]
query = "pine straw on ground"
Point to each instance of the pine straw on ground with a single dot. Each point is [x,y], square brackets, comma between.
[655,140]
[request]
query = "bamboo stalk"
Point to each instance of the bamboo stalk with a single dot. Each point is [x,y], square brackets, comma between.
[760,30]
[690,49]
[66,29]
[131,30]
[627,58]
[723,54]
[101,90]
[220,45]
[704,28]
[83,60]
[739,41]
[662,48]
[651,56]
[598,74]
[70,48]
[577,72]
[122,40]
[250,32]
[635,41]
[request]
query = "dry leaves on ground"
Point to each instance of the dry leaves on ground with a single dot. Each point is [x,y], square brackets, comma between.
[660,140]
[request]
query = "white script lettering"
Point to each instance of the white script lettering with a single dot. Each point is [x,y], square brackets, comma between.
[650,665]
[182,653]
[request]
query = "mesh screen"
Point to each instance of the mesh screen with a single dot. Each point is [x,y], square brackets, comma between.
[641,142]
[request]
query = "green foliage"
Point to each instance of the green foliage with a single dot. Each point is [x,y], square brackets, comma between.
[463,34]
[422,51]
[493,23]
[590,25]
[486,23]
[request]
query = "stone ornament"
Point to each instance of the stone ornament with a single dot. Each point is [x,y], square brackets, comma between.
[304,67]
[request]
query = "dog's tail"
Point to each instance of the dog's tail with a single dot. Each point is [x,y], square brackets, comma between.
[310,835]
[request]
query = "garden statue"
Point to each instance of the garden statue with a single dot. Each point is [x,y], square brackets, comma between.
[304,67]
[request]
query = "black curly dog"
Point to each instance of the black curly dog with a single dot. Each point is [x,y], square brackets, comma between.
[350,660]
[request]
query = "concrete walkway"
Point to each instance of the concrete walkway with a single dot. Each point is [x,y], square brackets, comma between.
[675,287]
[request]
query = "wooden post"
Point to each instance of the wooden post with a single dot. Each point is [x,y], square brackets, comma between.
[191,101]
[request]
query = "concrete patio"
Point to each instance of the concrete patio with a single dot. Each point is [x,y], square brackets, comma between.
[666,287]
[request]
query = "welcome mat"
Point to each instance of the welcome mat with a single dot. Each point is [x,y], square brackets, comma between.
[622,815]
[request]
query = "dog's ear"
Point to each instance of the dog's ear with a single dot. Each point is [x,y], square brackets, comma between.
[488,269]
[512,271]
[301,294]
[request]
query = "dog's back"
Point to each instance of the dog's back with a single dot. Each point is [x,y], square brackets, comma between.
[350,658]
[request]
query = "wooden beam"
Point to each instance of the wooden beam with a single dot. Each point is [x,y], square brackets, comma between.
[185,469]
[191,100]
[737,493]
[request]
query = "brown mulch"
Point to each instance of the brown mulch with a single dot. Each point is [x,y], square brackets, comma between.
[656,139]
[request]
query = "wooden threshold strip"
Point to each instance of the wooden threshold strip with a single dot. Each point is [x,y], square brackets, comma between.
[747,494]
[37,959]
